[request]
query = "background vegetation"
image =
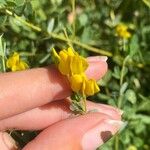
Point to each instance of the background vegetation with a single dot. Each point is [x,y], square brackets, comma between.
[33,27]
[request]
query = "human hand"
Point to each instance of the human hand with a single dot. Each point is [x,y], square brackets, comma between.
[35,99]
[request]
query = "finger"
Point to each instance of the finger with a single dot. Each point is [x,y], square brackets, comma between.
[22,91]
[44,116]
[85,132]
[102,67]
[7,142]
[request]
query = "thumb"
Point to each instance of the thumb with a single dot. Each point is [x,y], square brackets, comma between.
[84,132]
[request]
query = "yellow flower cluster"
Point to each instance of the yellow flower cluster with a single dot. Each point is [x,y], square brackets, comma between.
[73,65]
[15,63]
[122,31]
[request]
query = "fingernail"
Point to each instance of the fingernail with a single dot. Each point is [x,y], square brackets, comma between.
[103,58]
[97,58]
[99,134]
[113,112]
[9,141]
[116,123]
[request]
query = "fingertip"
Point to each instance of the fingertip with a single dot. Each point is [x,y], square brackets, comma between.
[100,133]
[97,69]
[113,112]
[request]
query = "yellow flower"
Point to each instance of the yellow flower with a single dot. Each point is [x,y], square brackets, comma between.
[91,87]
[122,31]
[131,147]
[15,63]
[80,83]
[70,62]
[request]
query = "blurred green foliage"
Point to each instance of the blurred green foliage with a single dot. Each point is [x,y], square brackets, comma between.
[33,27]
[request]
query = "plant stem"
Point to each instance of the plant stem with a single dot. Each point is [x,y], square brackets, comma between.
[2,53]
[3,58]
[85,109]
[3,61]
[120,98]
[123,69]
[58,37]
[66,35]
[117,142]
[74,18]
[23,21]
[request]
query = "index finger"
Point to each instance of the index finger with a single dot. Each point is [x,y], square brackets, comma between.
[22,91]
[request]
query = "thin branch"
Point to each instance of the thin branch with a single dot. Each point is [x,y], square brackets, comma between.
[58,37]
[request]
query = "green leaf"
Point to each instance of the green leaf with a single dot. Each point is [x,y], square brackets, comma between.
[50,25]
[144,118]
[14,26]
[83,19]
[123,88]
[134,47]
[2,3]
[85,37]
[56,2]
[11,3]
[144,105]
[3,19]
[20,2]
[116,72]
[105,80]
[138,141]
[147,2]
[131,96]
[103,96]
[28,9]
[126,136]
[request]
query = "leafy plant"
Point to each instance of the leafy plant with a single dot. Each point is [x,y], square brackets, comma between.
[33,27]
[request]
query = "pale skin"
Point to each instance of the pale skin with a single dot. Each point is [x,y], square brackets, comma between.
[36,99]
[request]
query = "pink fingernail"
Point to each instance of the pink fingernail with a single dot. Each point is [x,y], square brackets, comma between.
[103,58]
[97,58]
[102,132]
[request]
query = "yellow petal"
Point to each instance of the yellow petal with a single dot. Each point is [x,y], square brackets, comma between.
[74,65]
[78,65]
[91,87]
[83,87]
[122,31]
[63,55]
[9,63]
[14,68]
[96,87]
[76,82]
[13,60]
[121,27]
[64,62]
[15,64]
[84,63]
[71,52]
[63,67]
[55,54]
[22,65]
[127,35]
